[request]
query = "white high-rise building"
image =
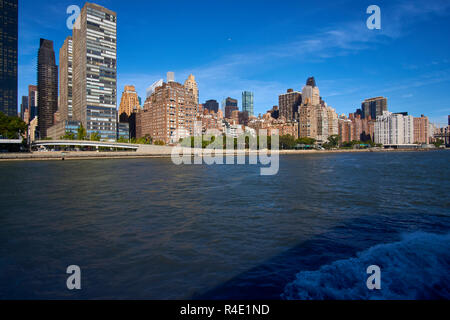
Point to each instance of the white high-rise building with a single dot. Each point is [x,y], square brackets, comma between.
[394,129]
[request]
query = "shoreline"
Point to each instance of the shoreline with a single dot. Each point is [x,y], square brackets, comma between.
[92,155]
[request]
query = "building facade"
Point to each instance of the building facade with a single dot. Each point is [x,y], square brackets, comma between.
[8,56]
[191,84]
[289,104]
[248,104]
[61,128]
[308,121]
[211,105]
[230,106]
[394,129]
[47,86]
[66,79]
[333,123]
[129,102]
[345,129]
[95,71]
[422,130]
[169,114]
[24,108]
[311,93]
[32,102]
[374,107]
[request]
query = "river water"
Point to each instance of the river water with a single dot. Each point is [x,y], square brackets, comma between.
[147,229]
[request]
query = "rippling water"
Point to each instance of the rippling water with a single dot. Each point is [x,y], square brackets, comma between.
[147,229]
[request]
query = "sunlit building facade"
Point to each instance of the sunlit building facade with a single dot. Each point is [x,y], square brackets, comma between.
[129,102]
[169,114]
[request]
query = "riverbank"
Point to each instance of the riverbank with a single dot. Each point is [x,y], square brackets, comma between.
[165,152]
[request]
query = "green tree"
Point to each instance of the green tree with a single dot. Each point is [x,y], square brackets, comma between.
[287,142]
[306,141]
[12,127]
[81,133]
[95,136]
[438,143]
[123,140]
[333,141]
[68,136]
[160,143]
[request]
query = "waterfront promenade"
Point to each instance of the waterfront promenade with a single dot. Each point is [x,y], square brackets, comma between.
[151,151]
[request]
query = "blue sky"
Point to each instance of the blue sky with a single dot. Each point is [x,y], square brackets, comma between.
[270,46]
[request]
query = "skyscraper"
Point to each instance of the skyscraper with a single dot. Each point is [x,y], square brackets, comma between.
[129,102]
[311,93]
[191,84]
[32,102]
[8,56]
[374,107]
[230,106]
[248,103]
[47,86]
[24,108]
[289,103]
[95,71]
[65,80]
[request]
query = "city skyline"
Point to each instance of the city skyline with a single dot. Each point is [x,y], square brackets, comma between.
[351,62]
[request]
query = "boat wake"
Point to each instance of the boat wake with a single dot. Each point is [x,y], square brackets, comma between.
[417,267]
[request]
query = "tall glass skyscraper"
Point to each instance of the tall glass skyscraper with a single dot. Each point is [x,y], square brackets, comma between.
[8,56]
[47,86]
[247,102]
[95,71]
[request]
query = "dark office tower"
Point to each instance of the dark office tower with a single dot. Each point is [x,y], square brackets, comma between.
[211,105]
[47,86]
[24,107]
[230,106]
[8,56]
[374,107]
[289,104]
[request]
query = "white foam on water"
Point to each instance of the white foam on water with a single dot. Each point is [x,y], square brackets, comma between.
[417,267]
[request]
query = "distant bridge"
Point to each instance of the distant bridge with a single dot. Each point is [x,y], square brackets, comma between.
[444,136]
[94,144]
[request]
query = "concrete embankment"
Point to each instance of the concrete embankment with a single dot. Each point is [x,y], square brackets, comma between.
[161,152]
